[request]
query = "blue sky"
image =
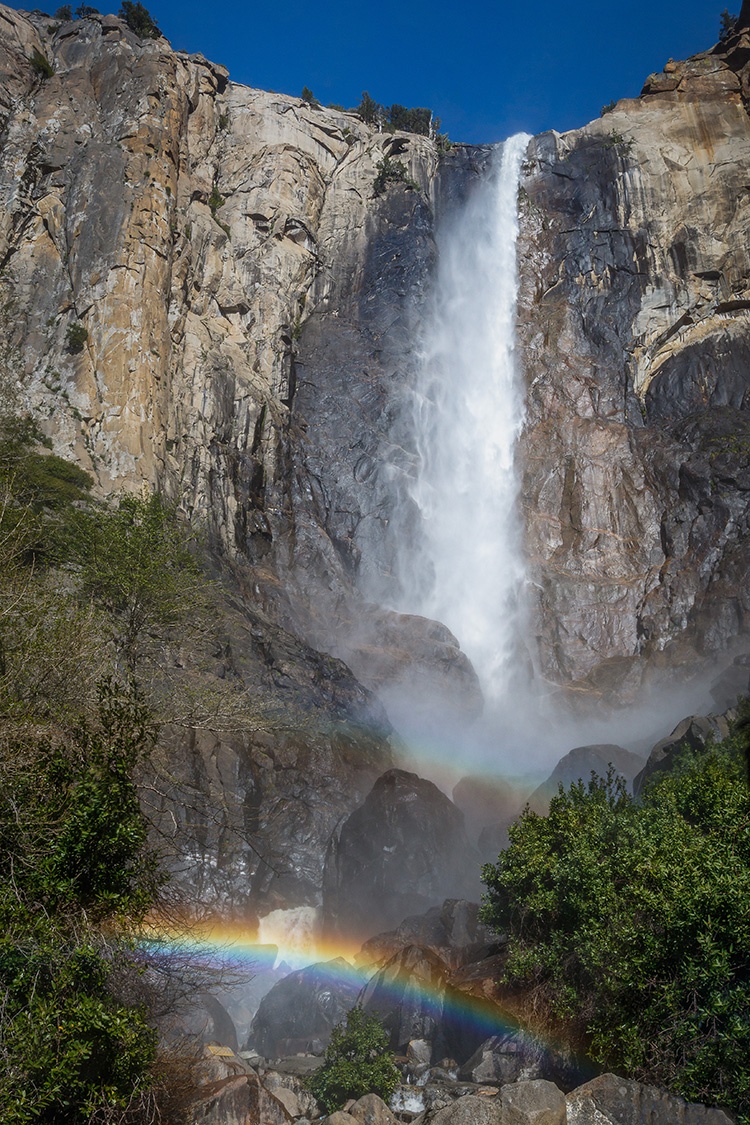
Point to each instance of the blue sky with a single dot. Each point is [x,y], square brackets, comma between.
[487,69]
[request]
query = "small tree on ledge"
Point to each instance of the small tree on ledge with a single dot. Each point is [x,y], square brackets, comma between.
[139,20]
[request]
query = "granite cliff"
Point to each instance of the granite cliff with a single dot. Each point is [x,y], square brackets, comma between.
[251,310]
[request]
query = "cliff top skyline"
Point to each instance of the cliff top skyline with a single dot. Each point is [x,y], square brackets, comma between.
[486,70]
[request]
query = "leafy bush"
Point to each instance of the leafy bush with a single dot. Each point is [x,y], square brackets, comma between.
[41,65]
[215,200]
[75,883]
[134,561]
[76,337]
[391,172]
[139,19]
[357,1062]
[308,96]
[629,924]
[83,11]
[64,13]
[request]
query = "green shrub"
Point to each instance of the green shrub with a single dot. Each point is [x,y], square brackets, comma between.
[75,883]
[308,96]
[629,924]
[215,200]
[607,108]
[83,11]
[357,1062]
[139,19]
[391,172]
[727,24]
[64,13]
[41,64]
[76,338]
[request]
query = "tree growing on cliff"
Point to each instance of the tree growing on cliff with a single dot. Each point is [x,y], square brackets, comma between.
[357,1062]
[629,925]
[139,20]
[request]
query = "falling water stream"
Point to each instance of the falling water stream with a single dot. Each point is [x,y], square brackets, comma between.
[468,411]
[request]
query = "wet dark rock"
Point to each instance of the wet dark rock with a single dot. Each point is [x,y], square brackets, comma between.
[299,1012]
[578,765]
[403,848]
[453,932]
[407,995]
[511,1057]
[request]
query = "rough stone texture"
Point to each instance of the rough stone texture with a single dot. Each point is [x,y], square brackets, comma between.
[240,1100]
[692,733]
[634,330]
[533,1103]
[470,1110]
[299,1012]
[511,1057]
[578,765]
[453,932]
[609,1100]
[403,848]
[372,1110]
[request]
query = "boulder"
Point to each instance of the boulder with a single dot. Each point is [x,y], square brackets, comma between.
[452,931]
[533,1103]
[692,733]
[505,1058]
[471,1110]
[610,1100]
[404,848]
[578,764]
[406,995]
[239,1100]
[419,1052]
[372,1110]
[299,1012]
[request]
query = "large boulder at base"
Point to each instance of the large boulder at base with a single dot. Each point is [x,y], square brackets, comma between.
[533,1103]
[402,851]
[406,995]
[510,1057]
[453,932]
[292,1092]
[692,733]
[299,1012]
[609,1100]
[471,1110]
[239,1100]
[578,765]
[372,1110]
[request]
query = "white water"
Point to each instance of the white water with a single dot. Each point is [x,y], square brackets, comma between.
[469,410]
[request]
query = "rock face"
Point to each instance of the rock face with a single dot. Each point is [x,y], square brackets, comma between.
[405,847]
[251,312]
[634,328]
[299,1012]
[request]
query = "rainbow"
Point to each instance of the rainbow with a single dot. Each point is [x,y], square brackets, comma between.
[233,949]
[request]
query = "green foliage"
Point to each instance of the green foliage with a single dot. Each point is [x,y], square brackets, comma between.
[368,109]
[64,13]
[139,19]
[617,140]
[215,200]
[357,1062]
[308,96]
[391,172]
[607,108]
[727,24]
[134,562]
[411,120]
[75,883]
[83,11]
[76,337]
[629,924]
[41,65]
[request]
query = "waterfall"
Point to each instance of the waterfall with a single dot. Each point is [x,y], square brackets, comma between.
[468,411]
